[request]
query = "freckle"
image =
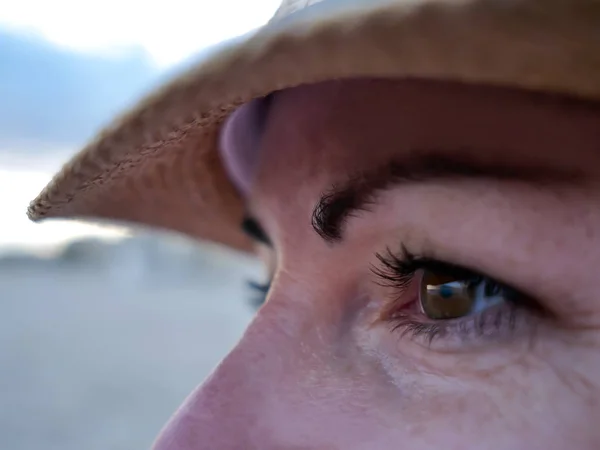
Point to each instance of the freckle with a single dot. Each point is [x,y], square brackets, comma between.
[417,430]
[461,405]
[590,231]
[486,374]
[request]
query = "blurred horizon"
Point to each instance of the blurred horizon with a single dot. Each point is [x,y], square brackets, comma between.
[101,342]
[104,329]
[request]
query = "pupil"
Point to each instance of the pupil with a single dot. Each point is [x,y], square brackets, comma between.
[446,291]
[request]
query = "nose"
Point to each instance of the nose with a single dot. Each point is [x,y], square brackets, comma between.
[232,408]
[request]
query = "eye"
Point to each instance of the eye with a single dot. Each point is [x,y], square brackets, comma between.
[261,291]
[444,296]
[254,230]
[435,300]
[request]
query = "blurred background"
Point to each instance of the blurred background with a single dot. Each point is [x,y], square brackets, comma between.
[103,330]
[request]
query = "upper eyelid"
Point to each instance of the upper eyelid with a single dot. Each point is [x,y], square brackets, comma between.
[489,226]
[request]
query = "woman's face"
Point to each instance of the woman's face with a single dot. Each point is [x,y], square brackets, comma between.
[434,251]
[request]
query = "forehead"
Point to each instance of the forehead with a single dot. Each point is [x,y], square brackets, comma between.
[323,132]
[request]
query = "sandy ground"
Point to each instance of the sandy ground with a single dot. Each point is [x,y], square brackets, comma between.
[98,355]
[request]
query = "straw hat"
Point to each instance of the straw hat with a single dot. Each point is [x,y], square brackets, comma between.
[158,165]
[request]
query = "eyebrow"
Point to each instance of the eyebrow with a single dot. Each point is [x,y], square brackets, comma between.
[360,191]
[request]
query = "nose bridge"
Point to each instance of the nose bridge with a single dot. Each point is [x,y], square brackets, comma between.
[226,410]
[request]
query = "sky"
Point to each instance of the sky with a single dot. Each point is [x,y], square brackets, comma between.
[66,67]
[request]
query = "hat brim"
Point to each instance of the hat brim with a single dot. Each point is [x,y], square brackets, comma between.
[159,165]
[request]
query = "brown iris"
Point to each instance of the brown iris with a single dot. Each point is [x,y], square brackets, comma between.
[444,296]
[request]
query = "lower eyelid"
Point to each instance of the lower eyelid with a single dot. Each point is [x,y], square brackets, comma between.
[497,325]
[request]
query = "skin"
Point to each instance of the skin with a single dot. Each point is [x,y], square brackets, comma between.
[321,366]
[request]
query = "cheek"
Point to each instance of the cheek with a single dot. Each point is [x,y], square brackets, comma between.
[535,393]
[309,373]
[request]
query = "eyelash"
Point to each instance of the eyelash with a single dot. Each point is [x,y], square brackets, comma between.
[398,271]
[254,230]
